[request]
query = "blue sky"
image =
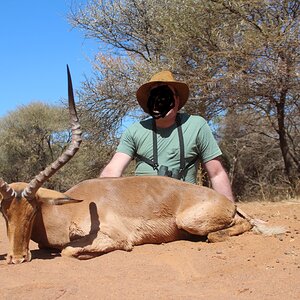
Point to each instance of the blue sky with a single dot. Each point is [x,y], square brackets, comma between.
[36,44]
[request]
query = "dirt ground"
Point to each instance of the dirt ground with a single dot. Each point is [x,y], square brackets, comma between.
[249,266]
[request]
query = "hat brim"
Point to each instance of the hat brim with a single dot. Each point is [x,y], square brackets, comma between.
[143,92]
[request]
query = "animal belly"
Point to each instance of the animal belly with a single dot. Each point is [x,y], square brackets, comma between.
[154,231]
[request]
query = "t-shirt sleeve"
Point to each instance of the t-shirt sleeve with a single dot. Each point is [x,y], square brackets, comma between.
[207,144]
[126,144]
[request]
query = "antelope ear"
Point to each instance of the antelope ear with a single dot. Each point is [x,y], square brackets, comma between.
[59,201]
[54,198]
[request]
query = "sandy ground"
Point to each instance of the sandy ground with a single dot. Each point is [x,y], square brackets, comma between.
[249,266]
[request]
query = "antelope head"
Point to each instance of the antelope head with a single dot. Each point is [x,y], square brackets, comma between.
[20,201]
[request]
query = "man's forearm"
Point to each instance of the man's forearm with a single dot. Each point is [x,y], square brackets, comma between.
[221,184]
[108,172]
[116,166]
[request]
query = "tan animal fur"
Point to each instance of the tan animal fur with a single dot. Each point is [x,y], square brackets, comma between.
[117,214]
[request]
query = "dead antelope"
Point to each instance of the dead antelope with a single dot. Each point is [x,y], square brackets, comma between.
[108,214]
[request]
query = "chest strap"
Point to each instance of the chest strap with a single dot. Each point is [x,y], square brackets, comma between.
[154,163]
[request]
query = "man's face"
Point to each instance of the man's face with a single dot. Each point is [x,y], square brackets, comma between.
[162,101]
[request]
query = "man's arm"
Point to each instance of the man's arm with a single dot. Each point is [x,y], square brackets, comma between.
[219,178]
[116,166]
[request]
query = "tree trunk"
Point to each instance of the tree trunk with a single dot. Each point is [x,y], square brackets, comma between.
[290,169]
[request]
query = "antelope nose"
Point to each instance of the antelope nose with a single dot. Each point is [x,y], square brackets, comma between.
[18,259]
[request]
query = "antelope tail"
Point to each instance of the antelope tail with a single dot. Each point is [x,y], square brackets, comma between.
[260,226]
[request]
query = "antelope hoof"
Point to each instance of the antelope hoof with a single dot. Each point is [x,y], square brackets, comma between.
[218,236]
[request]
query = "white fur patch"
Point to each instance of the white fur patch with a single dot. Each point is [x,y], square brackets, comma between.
[262,228]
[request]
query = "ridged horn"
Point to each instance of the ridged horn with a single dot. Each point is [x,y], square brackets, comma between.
[41,178]
[6,191]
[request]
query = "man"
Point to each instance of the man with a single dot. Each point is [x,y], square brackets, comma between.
[170,143]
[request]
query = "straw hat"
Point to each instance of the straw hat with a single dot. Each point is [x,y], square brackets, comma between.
[163,77]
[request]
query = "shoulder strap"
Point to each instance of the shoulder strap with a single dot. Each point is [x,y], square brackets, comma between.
[153,163]
[155,155]
[181,143]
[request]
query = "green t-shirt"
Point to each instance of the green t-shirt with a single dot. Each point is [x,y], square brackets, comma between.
[198,141]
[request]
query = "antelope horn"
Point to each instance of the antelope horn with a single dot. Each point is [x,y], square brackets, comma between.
[6,191]
[38,181]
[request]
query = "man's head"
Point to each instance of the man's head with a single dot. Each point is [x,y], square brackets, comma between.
[157,96]
[160,101]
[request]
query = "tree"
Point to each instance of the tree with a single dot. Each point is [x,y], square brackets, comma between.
[27,145]
[253,160]
[241,54]
[33,136]
[265,77]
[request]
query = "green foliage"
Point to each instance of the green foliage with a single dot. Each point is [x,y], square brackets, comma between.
[29,138]
[33,136]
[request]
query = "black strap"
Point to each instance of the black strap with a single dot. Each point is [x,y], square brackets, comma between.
[155,155]
[181,172]
[153,163]
[181,143]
